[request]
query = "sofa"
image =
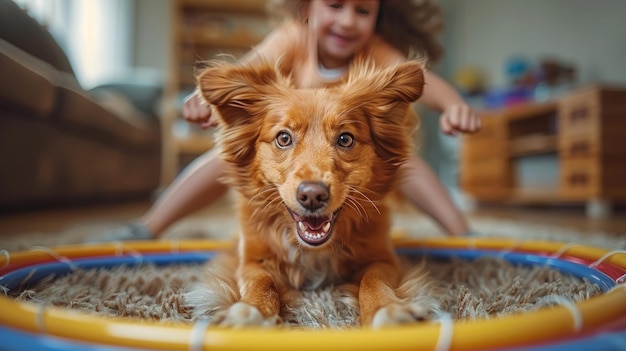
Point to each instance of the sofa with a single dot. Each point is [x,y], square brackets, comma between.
[62,145]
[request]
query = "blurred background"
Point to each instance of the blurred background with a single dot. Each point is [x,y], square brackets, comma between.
[498,53]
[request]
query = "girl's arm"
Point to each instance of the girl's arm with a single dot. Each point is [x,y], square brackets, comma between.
[457,116]
[438,94]
[274,46]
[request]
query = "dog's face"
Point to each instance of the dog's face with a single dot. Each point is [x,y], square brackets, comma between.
[317,157]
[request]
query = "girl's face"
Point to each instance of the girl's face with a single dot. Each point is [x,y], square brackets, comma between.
[342,27]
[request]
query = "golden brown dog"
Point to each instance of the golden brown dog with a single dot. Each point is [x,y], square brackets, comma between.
[313,168]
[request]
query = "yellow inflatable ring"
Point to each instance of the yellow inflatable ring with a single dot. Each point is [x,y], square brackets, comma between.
[541,326]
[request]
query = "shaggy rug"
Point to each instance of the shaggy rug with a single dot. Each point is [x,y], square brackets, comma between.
[487,287]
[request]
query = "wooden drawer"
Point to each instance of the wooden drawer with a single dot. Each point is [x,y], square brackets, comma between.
[614,133]
[580,178]
[579,146]
[483,149]
[595,110]
[579,114]
[487,171]
[613,178]
[487,179]
[488,142]
[493,127]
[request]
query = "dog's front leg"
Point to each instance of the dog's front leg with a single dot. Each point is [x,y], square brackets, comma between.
[260,302]
[378,301]
[375,289]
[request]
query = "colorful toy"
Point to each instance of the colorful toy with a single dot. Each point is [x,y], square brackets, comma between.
[597,323]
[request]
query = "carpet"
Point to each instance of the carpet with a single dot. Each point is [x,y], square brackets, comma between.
[485,288]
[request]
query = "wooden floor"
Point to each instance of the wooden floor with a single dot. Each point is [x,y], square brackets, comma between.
[53,220]
[573,217]
[59,219]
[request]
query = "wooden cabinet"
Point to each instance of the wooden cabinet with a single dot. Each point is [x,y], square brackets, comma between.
[202,30]
[592,144]
[578,141]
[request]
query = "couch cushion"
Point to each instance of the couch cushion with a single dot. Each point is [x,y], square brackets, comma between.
[82,112]
[145,96]
[36,87]
[27,83]
[44,165]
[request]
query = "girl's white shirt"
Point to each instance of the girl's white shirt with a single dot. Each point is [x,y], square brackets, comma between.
[331,73]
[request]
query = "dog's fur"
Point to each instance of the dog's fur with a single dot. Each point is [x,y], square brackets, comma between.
[313,168]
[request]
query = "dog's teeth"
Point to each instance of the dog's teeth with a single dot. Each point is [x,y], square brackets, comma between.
[313,236]
[326,227]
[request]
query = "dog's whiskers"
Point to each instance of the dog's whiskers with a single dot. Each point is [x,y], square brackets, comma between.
[272,202]
[269,200]
[364,197]
[361,189]
[358,208]
[267,188]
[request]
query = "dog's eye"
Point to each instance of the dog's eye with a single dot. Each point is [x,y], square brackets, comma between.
[283,140]
[345,140]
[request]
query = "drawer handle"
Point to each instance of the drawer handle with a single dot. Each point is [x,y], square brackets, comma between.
[579,114]
[579,148]
[578,179]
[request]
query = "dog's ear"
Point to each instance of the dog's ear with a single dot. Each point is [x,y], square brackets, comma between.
[237,91]
[240,95]
[401,83]
[385,97]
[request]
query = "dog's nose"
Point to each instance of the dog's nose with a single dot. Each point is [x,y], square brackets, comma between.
[312,195]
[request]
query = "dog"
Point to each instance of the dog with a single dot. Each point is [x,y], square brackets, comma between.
[313,168]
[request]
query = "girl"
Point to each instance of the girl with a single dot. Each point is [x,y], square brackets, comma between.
[316,44]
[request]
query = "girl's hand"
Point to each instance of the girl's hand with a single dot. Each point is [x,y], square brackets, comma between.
[459,118]
[196,110]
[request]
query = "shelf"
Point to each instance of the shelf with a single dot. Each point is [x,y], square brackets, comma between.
[533,145]
[522,110]
[236,6]
[535,196]
[203,30]
[550,152]
[241,40]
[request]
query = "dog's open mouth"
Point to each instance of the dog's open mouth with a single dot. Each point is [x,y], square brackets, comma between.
[314,230]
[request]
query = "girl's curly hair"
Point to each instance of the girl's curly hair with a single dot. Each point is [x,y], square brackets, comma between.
[411,26]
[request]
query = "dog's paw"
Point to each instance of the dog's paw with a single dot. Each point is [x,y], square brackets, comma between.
[401,313]
[242,314]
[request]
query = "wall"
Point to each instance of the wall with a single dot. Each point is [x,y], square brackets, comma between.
[589,34]
[152,33]
[93,34]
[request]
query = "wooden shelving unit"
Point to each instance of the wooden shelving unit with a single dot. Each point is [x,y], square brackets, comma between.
[577,140]
[532,145]
[202,30]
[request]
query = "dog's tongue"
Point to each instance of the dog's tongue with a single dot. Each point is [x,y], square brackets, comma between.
[314,230]
[315,223]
